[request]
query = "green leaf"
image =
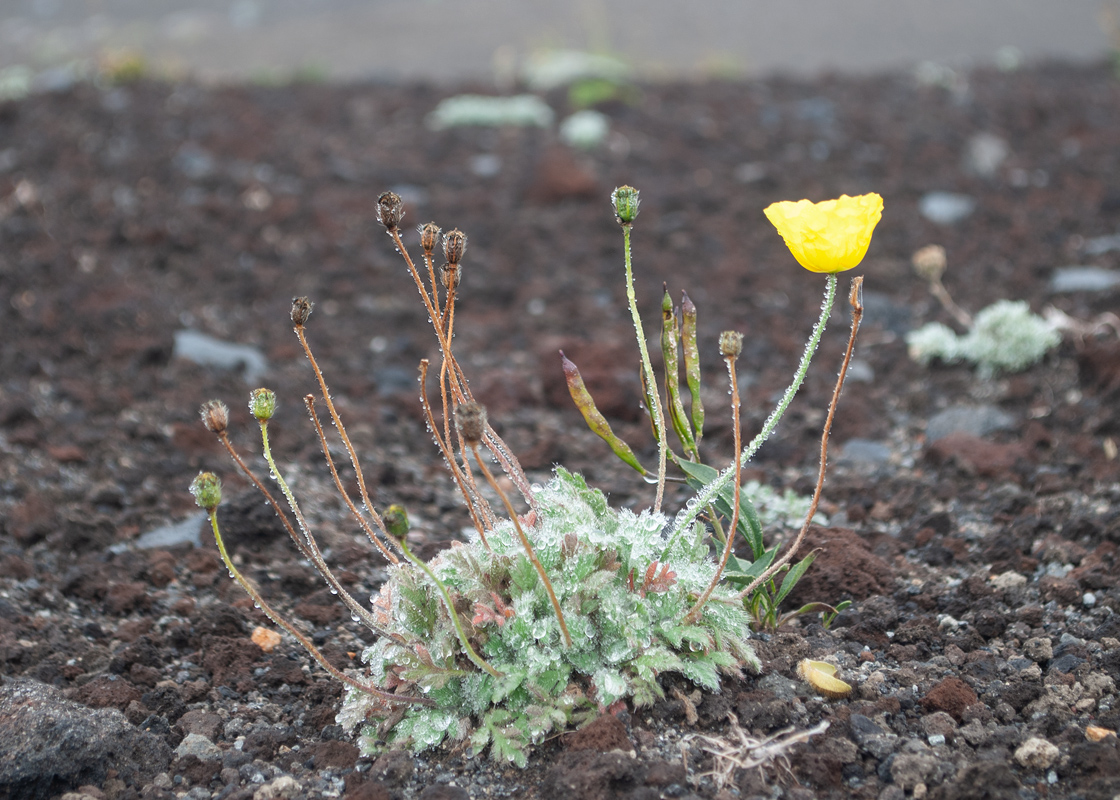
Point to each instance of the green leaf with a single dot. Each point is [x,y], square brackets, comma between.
[594,418]
[700,475]
[669,335]
[793,577]
[742,573]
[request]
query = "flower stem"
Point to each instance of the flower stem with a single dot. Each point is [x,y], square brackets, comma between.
[647,370]
[688,514]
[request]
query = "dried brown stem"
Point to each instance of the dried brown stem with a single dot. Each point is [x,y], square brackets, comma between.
[855,297]
[309,401]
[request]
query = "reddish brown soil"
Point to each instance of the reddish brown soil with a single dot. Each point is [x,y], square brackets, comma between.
[130,213]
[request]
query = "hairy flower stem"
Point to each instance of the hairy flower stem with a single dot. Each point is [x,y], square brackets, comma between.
[301,333]
[478,660]
[855,297]
[309,401]
[647,372]
[525,543]
[300,541]
[306,643]
[705,496]
[729,540]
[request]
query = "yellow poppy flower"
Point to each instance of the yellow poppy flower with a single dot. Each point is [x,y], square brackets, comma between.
[831,236]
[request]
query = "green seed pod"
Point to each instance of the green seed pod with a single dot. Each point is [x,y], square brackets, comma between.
[215,416]
[262,404]
[429,235]
[730,344]
[625,200]
[454,245]
[301,310]
[390,210]
[207,490]
[396,521]
[470,419]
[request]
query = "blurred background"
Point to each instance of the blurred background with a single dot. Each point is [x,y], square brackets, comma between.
[490,40]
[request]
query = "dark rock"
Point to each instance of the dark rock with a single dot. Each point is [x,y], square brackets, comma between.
[51,744]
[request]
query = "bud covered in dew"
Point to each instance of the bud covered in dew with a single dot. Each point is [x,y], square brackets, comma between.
[930,262]
[396,521]
[262,404]
[625,200]
[390,210]
[215,416]
[207,490]
[470,419]
[429,235]
[454,245]
[450,275]
[301,310]
[730,344]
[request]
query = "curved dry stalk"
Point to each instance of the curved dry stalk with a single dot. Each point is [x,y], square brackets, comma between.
[855,297]
[309,401]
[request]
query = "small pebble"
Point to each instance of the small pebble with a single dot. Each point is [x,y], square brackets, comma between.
[1089,600]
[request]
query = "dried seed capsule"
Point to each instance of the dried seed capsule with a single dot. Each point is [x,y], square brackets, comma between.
[429,235]
[454,245]
[625,201]
[730,344]
[930,262]
[262,404]
[450,275]
[301,310]
[390,210]
[470,419]
[207,490]
[215,416]
[396,521]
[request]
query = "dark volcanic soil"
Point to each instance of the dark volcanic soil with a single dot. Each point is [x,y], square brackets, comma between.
[984,639]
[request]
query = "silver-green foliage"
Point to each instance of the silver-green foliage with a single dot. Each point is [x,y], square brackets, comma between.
[623,607]
[1005,337]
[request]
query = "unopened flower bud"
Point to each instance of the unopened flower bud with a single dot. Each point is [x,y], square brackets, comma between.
[215,416]
[262,404]
[454,245]
[429,235]
[470,419]
[390,210]
[301,310]
[730,344]
[450,275]
[207,490]
[930,262]
[396,521]
[625,200]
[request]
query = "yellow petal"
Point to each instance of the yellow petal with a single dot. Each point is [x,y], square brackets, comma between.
[822,677]
[831,236]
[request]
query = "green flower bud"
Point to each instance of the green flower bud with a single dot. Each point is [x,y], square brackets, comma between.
[207,490]
[262,404]
[730,344]
[625,200]
[396,521]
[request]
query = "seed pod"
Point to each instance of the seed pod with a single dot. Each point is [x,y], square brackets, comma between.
[429,235]
[470,419]
[454,245]
[215,416]
[390,210]
[207,490]
[396,521]
[625,201]
[301,310]
[450,275]
[731,344]
[262,404]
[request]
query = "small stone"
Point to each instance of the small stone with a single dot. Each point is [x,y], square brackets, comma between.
[1036,753]
[1038,649]
[946,208]
[909,770]
[864,451]
[208,351]
[971,420]
[189,531]
[984,154]
[1084,279]
[283,788]
[1089,600]
[199,746]
[1006,581]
